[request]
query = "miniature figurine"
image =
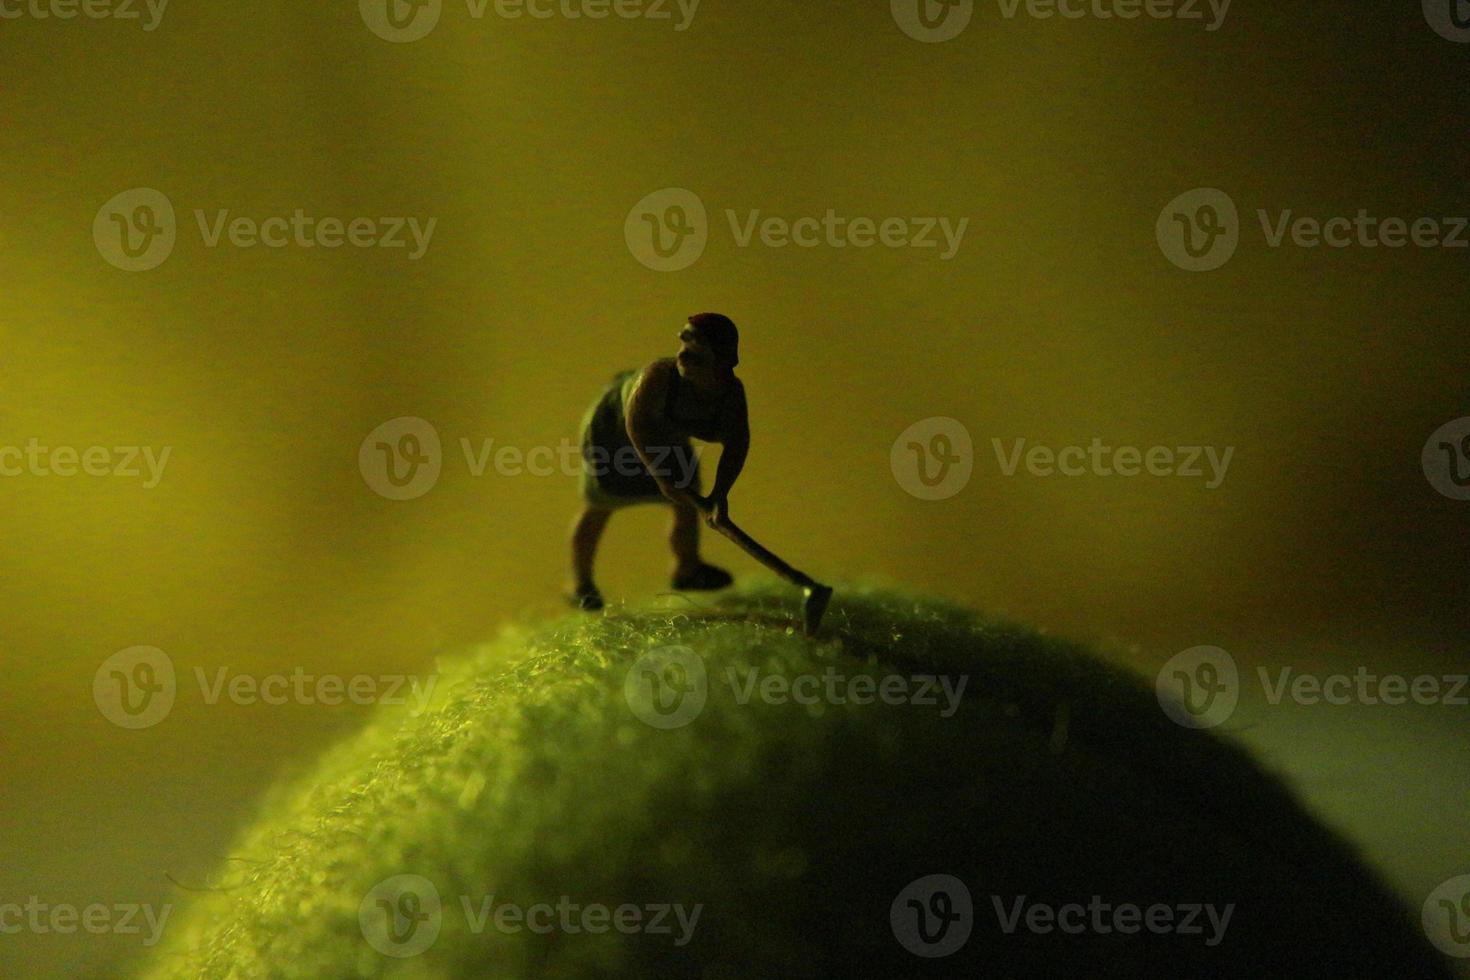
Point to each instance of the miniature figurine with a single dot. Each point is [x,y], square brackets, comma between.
[636,449]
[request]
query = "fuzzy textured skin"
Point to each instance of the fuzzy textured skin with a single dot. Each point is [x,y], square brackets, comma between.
[794,826]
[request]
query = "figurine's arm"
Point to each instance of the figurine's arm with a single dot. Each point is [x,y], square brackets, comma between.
[736,446]
[649,434]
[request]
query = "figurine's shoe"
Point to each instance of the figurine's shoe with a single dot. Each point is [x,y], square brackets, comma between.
[586,598]
[705,578]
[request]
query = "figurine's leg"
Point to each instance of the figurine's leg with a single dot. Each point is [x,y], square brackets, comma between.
[684,539]
[690,571]
[586,534]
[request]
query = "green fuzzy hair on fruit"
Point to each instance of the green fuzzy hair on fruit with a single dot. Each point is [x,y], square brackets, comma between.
[709,761]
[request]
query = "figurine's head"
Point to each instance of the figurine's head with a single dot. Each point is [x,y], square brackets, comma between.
[709,347]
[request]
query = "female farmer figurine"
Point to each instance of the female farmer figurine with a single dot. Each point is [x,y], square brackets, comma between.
[636,449]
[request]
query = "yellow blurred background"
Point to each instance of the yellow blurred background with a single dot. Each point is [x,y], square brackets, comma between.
[264,549]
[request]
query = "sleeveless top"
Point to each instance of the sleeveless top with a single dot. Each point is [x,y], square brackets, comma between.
[605,437]
[703,429]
